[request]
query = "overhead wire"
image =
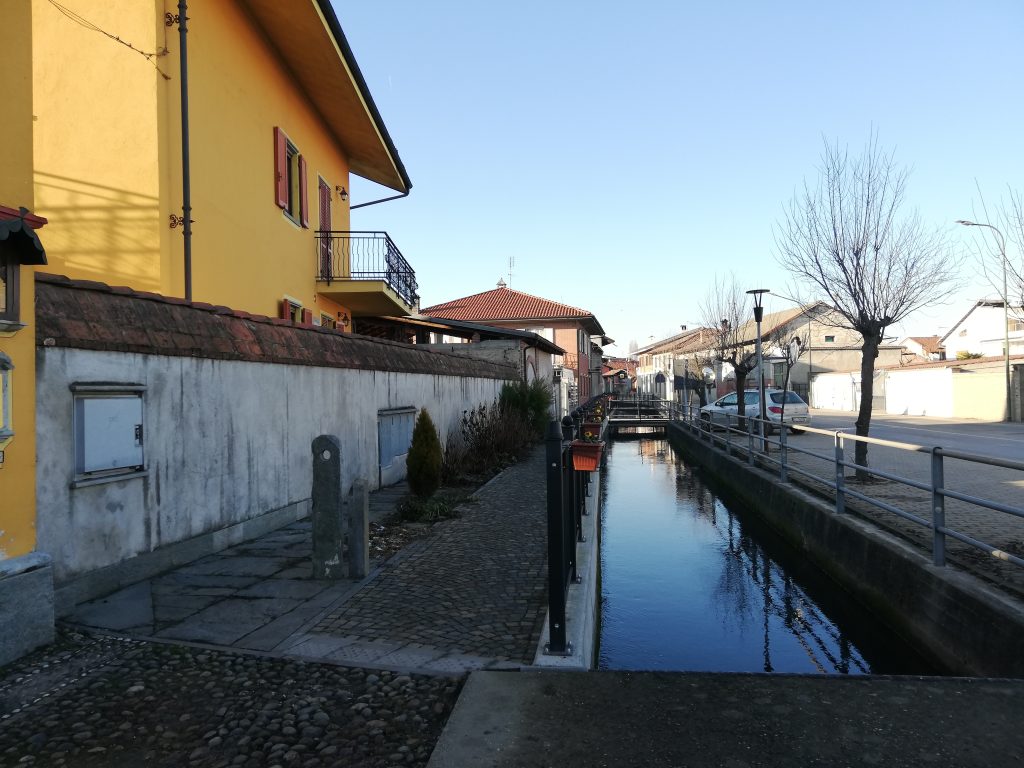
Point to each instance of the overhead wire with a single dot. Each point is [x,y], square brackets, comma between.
[83,22]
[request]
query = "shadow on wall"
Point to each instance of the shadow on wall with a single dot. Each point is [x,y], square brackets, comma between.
[101,233]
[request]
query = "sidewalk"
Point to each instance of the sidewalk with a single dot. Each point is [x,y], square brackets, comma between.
[662,720]
[470,594]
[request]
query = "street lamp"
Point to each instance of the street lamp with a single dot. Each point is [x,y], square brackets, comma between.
[758,294]
[1006,309]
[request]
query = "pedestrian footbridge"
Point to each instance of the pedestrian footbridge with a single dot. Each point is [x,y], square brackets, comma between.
[639,413]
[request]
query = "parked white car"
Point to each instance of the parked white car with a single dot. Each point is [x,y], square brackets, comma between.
[780,405]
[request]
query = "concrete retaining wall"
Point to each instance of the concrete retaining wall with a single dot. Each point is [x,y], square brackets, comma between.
[26,605]
[226,441]
[964,624]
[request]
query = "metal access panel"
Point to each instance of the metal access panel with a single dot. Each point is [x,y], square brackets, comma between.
[108,433]
[394,436]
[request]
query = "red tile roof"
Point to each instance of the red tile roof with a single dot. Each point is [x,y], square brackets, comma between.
[82,314]
[505,304]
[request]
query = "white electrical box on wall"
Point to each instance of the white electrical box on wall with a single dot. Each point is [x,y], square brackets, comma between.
[108,431]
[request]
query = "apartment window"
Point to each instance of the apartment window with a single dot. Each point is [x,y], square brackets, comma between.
[108,430]
[327,321]
[290,309]
[6,426]
[829,339]
[290,188]
[10,269]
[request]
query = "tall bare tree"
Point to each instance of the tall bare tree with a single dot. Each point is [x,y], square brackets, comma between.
[725,310]
[848,241]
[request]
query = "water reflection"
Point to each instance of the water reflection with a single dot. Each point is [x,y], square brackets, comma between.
[689,584]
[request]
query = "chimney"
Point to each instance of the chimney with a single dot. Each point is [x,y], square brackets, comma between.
[502,283]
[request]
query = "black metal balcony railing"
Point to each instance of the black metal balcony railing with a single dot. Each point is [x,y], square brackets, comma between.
[353,256]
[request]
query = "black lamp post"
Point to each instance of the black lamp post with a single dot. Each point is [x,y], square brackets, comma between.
[758,294]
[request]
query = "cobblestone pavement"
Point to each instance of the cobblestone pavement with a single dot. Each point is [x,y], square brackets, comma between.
[1002,531]
[99,701]
[476,586]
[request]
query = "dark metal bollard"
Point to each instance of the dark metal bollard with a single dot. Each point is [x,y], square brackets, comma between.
[328,537]
[356,520]
[557,566]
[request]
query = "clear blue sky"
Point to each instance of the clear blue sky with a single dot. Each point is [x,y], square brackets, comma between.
[623,153]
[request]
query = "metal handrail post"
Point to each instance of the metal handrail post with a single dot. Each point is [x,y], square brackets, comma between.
[782,454]
[750,442]
[569,502]
[556,563]
[938,509]
[840,472]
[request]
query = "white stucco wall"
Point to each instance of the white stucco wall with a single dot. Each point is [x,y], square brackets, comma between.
[836,391]
[927,392]
[225,441]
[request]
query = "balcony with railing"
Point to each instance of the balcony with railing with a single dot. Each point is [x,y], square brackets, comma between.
[366,272]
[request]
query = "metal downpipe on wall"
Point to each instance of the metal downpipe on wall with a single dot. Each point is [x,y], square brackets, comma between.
[186,181]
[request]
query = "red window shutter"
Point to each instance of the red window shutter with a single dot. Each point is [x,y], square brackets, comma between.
[303,196]
[307,317]
[280,168]
[284,309]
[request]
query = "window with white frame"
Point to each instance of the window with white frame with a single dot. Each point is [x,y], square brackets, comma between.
[108,430]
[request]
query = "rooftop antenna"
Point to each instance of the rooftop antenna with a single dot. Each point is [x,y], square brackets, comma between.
[511,264]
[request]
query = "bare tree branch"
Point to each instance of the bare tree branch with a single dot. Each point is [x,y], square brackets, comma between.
[725,309]
[848,241]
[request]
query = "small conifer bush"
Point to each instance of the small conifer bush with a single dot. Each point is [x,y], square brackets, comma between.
[424,460]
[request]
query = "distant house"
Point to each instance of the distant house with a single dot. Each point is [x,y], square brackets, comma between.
[825,345]
[919,348]
[575,330]
[983,330]
[619,374]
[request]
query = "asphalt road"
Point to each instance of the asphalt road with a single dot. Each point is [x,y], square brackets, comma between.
[1003,440]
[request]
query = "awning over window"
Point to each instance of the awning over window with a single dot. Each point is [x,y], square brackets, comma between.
[18,237]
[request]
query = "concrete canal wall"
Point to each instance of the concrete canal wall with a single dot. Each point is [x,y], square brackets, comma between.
[961,622]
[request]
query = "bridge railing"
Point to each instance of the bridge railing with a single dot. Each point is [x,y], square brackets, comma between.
[740,437]
[567,492]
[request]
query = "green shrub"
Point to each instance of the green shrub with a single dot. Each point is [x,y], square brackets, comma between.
[530,401]
[424,460]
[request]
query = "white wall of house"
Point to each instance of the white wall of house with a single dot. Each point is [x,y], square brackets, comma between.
[225,441]
[927,392]
[835,391]
[983,331]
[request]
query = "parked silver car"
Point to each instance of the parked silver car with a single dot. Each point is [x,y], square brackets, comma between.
[779,405]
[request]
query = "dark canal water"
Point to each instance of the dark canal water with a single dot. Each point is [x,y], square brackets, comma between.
[689,583]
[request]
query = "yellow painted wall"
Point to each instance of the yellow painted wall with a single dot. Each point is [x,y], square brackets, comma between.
[980,394]
[17,474]
[246,253]
[96,162]
[108,169]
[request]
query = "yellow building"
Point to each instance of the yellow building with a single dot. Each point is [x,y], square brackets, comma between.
[278,117]
[94,141]
[26,581]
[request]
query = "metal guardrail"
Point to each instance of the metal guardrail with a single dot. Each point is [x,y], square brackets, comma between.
[567,492]
[356,256]
[757,449]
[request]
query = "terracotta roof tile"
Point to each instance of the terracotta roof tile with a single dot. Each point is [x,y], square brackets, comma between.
[91,315]
[504,304]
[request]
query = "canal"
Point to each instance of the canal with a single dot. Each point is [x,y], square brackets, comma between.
[690,583]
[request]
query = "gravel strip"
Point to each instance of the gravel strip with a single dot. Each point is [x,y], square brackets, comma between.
[97,701]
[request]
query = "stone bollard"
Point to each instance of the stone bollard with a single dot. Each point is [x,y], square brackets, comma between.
[328,534]
[356,516]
